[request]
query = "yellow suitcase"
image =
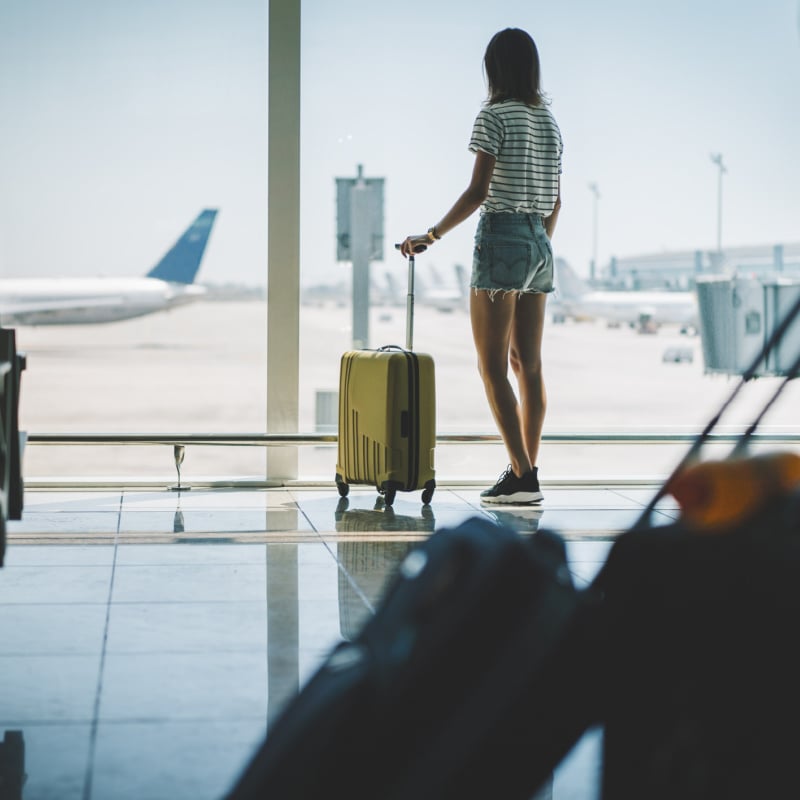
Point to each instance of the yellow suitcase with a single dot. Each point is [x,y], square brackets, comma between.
[387,417]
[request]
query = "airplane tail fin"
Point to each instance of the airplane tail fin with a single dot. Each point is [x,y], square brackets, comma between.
[568,284]
[394,292]
[181,263]
[462,279]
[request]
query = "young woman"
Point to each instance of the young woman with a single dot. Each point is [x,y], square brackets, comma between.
[516,183]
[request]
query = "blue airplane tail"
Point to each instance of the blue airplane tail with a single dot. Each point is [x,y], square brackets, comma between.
[181,263]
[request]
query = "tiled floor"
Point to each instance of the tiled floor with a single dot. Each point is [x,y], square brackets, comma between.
[147,638]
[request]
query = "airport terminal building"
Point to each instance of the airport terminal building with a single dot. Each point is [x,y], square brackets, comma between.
[678,270]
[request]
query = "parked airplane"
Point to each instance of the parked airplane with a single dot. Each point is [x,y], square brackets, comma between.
[434,292]
[71,301]
[645,310]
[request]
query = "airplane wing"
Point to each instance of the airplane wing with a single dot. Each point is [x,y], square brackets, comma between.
[17,308]
[53,312]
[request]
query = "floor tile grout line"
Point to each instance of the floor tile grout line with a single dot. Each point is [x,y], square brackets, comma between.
[300,509]
[88,777]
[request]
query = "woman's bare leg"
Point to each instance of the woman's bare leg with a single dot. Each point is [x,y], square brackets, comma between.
[526,361]
[492,328]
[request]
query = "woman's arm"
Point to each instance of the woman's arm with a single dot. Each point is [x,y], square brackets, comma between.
[550,222]
[469,201]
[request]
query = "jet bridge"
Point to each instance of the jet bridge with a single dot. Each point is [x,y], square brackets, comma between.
[738,316]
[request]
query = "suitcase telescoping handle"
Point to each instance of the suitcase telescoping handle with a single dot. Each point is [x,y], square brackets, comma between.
[420,248]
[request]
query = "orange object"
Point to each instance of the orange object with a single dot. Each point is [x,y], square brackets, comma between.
[714,494]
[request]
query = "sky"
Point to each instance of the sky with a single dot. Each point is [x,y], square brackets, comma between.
[120,121]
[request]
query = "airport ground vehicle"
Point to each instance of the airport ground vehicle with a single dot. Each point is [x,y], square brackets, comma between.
[678,355]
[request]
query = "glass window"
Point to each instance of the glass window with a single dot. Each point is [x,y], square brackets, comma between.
[646,98]
[123,122]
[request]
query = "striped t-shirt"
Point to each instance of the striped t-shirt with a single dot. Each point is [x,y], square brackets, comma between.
[526,143]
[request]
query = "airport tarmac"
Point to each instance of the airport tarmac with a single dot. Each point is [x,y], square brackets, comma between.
[201,369]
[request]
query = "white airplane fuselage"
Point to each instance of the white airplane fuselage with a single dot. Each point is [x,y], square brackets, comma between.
[632,307]
[643,309]
[85,301]
[79,301]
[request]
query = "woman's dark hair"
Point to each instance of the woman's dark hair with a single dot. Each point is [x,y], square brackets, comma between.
[511,65]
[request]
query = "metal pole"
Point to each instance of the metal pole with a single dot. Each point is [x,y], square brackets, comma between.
[716,158]
[361,238]
[410,305]
[596,192]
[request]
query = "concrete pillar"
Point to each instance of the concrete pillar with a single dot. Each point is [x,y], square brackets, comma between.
[283,268]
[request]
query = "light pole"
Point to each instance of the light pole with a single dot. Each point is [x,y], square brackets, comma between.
[596,192]
[716,158]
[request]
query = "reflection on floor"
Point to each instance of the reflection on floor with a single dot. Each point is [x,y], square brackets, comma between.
[149,637]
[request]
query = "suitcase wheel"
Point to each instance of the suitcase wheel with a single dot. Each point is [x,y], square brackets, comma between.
[342,487]
[390,492]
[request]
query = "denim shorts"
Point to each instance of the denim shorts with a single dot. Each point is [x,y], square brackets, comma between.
[512,254]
